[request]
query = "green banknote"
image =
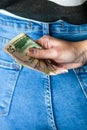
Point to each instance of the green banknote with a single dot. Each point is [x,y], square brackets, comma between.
[18,48]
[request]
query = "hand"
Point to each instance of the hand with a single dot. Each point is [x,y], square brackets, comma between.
[62,54]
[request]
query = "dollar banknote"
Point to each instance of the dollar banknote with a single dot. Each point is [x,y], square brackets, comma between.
[18,48]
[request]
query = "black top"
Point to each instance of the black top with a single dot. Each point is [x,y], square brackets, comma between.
[46,11]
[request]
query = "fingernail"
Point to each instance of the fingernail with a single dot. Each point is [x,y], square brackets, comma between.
[31,51]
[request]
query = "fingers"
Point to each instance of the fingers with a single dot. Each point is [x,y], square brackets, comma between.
[42,54]
[44,42]
[49,42]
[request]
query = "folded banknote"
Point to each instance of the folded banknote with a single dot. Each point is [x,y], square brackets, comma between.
[18,48]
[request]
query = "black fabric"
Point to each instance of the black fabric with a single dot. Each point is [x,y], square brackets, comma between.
[46,11]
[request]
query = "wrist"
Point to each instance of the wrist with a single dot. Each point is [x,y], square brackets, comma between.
[81,48]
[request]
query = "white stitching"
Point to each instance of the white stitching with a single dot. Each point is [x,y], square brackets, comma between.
[80,84]
[48,101]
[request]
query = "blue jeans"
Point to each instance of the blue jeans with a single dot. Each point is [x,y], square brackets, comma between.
[31,100]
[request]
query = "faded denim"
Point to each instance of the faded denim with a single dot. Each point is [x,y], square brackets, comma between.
[31,100]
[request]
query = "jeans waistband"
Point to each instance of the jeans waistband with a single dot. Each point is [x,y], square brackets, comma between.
[28,23]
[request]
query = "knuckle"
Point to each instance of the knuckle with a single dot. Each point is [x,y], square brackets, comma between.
[47,38]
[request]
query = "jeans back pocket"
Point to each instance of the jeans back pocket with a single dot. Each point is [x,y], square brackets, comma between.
[8,77]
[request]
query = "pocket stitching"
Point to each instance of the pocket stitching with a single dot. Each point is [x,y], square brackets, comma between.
[6,110]
[81,84]
[9,65]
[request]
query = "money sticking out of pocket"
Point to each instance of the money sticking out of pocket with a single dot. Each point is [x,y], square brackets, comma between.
[18,48]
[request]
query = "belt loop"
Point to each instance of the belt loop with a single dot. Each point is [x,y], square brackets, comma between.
[45,28]
[29,24]
[62,23]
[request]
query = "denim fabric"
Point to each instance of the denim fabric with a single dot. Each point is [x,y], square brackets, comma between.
[31,100]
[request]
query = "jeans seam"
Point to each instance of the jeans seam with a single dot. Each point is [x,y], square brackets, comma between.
[2,37]
[23,29]
[48,102]
[16,79]
[75,32]
[81,84]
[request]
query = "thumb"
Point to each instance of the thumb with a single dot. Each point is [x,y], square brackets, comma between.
[41,54]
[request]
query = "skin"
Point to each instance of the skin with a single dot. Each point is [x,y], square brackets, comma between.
[63,55]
